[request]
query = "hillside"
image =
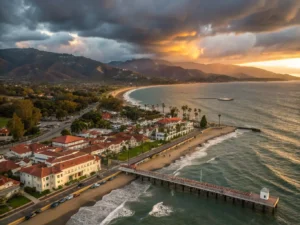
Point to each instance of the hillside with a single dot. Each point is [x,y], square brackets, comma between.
[163,69]
[239,72]
[34,65]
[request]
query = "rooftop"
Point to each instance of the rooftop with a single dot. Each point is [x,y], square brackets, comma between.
[169,120]
[67,139]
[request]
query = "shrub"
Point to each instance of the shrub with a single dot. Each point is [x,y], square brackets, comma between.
[92,173]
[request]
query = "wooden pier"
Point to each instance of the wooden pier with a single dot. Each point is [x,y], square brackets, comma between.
[245,198]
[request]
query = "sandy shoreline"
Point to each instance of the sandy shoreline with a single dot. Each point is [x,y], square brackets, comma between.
[62,213]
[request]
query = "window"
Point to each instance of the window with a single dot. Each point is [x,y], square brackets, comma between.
[47,178]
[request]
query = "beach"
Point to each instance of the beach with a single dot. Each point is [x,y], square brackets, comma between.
[62,213]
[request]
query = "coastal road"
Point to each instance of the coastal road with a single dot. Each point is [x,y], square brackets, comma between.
[52,132]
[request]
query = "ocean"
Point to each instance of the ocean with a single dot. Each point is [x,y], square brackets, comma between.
[242,160]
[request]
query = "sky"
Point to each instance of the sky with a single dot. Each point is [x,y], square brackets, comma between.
[261,33]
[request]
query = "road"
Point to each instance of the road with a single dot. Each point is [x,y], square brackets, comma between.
[94,179]
[53,132]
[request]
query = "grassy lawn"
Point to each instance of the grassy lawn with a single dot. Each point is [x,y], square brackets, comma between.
[3,121]
[138,150]
[17,201]
[3,209]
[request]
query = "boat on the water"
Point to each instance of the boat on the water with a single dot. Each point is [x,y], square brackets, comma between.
[225,99]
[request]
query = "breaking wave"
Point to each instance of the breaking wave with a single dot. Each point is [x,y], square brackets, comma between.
[160,210]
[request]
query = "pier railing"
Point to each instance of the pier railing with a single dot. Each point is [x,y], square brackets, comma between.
[211,188]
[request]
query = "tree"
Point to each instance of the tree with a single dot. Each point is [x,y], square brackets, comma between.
[65,132]
[203,122]
[78,125]
[60,114]
[24,109]
[189,110]
[163,107]
[36,116]
[199,112]
[16,127]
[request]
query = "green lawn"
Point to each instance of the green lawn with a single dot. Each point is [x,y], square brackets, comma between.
[138,150]
[17,201]
[3,121]
[38,194]
[3,209]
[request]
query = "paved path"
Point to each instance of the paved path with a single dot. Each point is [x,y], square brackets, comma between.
[33,199]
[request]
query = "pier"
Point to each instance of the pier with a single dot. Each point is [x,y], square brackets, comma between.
[245,198]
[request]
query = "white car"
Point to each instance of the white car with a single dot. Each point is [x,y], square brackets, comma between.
[69,197]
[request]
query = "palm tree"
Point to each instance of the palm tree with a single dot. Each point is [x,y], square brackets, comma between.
[189,110]
[219,120]
[163,107]
[153,107]
[199,111]
[145,106]
[157,105]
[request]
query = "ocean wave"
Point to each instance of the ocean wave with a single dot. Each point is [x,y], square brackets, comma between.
[160,210]
[111,206]
[129,99]
[200,152]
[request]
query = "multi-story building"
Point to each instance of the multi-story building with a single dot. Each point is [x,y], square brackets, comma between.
[169,128]
[58,171]
[8,187]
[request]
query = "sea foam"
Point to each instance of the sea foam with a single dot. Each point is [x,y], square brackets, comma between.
[160,210]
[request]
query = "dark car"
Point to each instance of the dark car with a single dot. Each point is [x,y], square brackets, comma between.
[80,185]
[30,216]
[62,200]
[102,182]
[54,204]
[111,178]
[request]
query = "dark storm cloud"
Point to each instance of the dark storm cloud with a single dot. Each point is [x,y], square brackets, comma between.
[142,24]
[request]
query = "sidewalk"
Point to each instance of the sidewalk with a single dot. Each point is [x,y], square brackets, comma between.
[33,199]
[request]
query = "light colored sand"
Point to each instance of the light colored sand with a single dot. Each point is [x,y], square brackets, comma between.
[61,214]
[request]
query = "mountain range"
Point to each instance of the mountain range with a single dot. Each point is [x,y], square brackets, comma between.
[34,65]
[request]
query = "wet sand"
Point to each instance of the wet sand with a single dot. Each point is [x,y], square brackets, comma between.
[62,213]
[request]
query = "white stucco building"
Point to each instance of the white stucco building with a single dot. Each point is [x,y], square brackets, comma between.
[169,128]
[60,170]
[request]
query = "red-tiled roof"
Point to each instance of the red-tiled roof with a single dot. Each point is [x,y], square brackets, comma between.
[65,157]
[67,139]
[8,165]
[4,131]
[4,180]
[39,170]
[140,137]
[169,120]
[106,115]
[25,148]
[94,148]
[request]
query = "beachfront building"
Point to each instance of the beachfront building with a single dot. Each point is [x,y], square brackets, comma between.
[94,133]
[96,149]
[4,134]
[69,142]
[56,172]
[8,187]
[169,128]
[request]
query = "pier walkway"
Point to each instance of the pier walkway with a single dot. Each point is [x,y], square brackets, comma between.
[244,197]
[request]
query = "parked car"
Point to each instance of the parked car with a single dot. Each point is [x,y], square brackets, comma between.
[102,182]
[30,216]
[62,200]
[111,178]
[76,195]
[69,197]
[95,185]
[80,185]
[54,204]
[38,211]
